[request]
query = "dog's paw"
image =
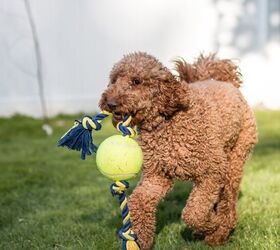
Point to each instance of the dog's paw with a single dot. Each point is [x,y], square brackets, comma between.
[219,237]
[198,235]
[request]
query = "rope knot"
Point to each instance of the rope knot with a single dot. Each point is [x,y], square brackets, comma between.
[90,124]
[125,128]
[127,235]
[119,187]
[79,137]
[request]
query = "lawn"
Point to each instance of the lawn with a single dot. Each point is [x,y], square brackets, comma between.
[50,199]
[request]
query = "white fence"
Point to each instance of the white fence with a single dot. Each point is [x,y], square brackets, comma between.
[80,40]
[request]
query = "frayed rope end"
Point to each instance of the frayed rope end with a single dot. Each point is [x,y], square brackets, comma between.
[79,137]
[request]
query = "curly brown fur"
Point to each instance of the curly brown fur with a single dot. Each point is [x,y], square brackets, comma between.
[203,132]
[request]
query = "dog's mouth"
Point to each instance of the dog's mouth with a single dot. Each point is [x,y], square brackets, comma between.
[118,116]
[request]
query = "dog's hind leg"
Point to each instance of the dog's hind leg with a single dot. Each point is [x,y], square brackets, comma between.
[197,211]
[225,211]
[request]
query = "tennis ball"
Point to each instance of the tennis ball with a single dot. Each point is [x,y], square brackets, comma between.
[119,157]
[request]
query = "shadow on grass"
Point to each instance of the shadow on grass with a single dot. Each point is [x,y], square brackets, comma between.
[170,209]
[104,218]
[267,147]
[110,218]
[96,217]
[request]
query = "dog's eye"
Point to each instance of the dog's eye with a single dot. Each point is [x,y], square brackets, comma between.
[136,81]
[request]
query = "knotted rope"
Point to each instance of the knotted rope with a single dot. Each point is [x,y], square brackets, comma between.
[79,137]
[129,238]
[125,128]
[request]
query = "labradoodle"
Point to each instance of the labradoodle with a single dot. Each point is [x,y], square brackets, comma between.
[196,126]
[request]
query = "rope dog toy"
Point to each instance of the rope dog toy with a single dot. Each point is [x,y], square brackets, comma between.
[79,137]
[118,157]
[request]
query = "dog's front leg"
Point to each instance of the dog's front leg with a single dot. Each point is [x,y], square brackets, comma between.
[142,205]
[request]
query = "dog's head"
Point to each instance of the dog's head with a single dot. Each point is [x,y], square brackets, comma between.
[142,87]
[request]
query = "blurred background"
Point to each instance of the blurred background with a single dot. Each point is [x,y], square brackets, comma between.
[79,41]
[55,58]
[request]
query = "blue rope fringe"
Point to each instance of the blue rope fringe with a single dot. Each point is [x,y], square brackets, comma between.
[79,137]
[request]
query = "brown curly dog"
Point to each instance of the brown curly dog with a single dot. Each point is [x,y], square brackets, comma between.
[195,126]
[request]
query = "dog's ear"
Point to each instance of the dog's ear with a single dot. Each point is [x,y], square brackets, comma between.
[178,99]
[182,95]
[174,94]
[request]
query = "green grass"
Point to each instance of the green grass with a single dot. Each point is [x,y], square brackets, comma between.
[50,199]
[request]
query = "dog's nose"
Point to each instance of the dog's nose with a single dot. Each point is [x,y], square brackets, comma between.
[112,105]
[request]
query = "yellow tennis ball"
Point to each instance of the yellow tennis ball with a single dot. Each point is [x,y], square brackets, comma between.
[119,157]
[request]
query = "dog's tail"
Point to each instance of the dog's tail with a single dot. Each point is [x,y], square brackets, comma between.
[209,67]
